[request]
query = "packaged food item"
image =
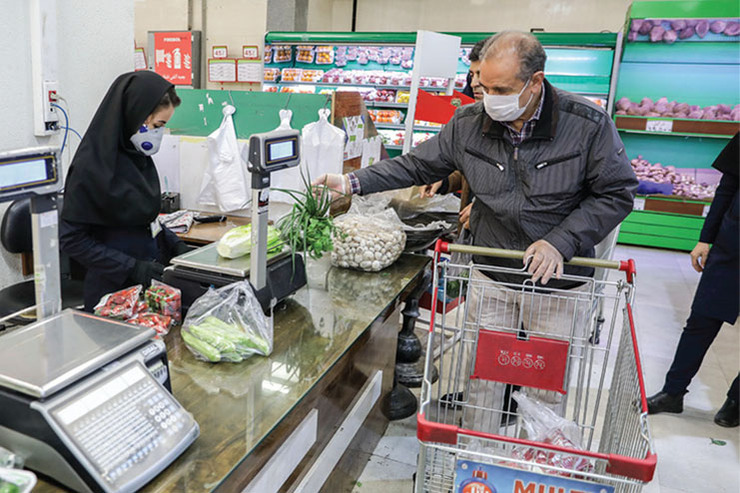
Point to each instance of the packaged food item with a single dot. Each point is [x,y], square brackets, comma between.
[16,480]
[268,54]
[403,97]
[282,53]
[141,307]
[227,324]
[367,239]
[311,75]
[164,299]
[119,305]
[386,116]
[324,55]
[290,74]
[271,74]
[304,54]
[160,323]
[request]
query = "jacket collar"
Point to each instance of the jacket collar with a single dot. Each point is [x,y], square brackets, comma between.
[545,126]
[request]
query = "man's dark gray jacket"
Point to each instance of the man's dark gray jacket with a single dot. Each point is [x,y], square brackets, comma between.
[570,183]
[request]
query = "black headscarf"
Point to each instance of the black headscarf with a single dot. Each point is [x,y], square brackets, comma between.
[110,183]
[728,161]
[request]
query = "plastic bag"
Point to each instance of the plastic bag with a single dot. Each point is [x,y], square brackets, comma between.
[120,304]
[322,151]
[225,183]
[227,324]
[164,299]
[368,237]
[16,480]
[543,425]
[288,178]
[160,323]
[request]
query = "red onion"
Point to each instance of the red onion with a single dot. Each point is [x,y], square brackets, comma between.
[723,108]
[645,27]
[636,24]
[701,28]
[623,103]
[717,27]
[732,29]
[686,33]
[670,36]
[656,34]
[678,24]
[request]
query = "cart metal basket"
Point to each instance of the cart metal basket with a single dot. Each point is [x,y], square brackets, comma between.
[512,334]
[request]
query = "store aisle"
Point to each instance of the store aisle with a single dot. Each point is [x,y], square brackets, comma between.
[689,461]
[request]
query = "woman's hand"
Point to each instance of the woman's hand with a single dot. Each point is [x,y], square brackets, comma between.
[699,256]
[428,191]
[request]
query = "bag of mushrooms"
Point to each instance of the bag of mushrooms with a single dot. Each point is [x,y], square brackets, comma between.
[368,237]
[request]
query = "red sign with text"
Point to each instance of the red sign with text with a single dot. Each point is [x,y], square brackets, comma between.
[173,57]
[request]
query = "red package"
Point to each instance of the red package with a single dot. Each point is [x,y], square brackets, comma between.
[164,299]
[160,323]
[120,304]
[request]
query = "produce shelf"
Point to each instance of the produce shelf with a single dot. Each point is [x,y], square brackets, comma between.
[676,126]
[400,126]
[672,204]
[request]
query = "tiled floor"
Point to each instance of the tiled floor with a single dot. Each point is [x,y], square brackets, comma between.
[688,460]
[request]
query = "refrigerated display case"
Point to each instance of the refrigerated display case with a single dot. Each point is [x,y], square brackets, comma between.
[378,65]
[677,105]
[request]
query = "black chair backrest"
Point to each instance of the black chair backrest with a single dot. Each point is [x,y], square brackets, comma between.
[15,232]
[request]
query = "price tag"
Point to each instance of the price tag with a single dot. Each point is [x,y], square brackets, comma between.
[250,52]
[659,125]
[705,211]
[220,52]
[639,204]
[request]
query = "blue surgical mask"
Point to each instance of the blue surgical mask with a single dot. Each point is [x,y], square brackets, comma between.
[147,140]
[505,108]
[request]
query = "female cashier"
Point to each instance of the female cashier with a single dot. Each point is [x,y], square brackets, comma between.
[112,197]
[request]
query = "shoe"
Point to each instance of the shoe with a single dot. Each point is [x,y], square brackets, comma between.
[728,414]
[662,402]
[452,400]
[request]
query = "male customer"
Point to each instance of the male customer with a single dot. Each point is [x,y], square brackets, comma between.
[550,177]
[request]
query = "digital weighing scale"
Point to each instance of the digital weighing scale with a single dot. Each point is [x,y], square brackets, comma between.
[84,400]
[274,277]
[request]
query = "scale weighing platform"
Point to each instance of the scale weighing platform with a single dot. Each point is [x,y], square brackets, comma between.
[194,272]
[86,401]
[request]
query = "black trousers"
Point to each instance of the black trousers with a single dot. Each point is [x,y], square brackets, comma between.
[696,338]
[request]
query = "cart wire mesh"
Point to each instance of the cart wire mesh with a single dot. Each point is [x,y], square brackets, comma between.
[512,334]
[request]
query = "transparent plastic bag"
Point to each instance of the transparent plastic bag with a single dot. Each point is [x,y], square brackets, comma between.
[165,300]
[543,425]
[369,237]
[16,480]
[119,305]
[227,324]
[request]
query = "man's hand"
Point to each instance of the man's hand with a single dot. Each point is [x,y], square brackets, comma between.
[465,216]
[546,261]
[428,191]
[338,184]
[699,256]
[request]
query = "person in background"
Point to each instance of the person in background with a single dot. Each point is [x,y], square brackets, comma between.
[550,177]
[112,198]
[456,181]
[716,299]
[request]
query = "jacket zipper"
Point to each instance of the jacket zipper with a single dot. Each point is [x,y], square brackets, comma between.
[554,161]
[485,158]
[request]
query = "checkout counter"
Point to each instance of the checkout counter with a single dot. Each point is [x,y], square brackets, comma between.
[306,417]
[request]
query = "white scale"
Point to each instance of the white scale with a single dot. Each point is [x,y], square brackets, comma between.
[83,399]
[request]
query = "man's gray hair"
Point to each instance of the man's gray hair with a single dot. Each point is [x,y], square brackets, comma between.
[528,48]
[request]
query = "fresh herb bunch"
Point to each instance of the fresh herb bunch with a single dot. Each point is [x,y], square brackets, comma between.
[308,227]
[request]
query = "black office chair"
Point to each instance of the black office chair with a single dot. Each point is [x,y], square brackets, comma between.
[16,237]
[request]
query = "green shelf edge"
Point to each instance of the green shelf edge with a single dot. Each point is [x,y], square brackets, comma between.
[684,9]
[607,40]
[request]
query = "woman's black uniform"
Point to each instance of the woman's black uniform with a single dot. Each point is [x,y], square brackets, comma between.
[112,193]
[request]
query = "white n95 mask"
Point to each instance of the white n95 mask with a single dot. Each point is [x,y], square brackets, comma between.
[147,141]
[505,108]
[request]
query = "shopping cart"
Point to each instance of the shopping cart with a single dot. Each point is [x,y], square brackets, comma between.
[513,334]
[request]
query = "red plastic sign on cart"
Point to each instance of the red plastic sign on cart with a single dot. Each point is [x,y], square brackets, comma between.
[534,362]
[173,56]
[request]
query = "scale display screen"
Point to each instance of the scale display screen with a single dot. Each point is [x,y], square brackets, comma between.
[26,173]
[281,150]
